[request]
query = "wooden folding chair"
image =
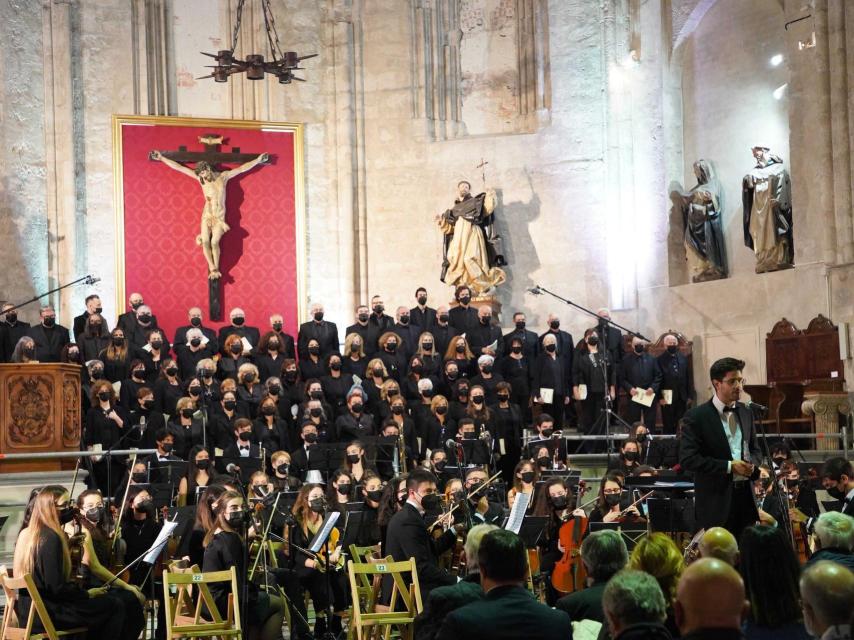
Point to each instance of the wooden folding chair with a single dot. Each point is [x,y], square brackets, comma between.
[409,595]
[192,600]
[11,629]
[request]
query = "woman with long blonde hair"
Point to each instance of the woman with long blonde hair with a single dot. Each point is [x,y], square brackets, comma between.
[42,551]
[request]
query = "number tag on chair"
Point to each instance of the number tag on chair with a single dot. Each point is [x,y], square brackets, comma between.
[381,567]
[197,577]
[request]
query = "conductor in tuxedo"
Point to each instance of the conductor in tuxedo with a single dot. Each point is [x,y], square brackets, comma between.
[325,332]
[719,447]
[407,535]
[508,609]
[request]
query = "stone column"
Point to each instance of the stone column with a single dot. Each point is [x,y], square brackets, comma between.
[59,152]
[826,407]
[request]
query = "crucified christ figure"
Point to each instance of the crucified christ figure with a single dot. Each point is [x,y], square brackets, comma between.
[213,215]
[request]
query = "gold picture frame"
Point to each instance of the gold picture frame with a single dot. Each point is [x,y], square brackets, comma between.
[301,228]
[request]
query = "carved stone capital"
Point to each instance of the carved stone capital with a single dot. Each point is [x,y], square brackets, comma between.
[829,405]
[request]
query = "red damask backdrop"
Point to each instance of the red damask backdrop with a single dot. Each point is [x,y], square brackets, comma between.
[162,214]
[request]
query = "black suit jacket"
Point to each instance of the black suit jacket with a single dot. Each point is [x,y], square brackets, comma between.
[676,375]
[565,346]
[210,334]
[48,343]
[325,332]
[704,451]
[529,342]
[424,319]
[463,319]
[506,613]
[639,371]
[250,333]
[127,320]
[79,325]
[137,335]
[370,335]
[407,538]
[585,604]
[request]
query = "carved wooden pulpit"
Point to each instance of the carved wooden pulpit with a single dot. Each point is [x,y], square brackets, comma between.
[39,412]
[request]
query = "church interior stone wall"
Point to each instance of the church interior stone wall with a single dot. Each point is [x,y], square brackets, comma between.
[586,112]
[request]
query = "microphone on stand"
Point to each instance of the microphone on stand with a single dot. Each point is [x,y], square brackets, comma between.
[755,406]
[232,468]
[535,290]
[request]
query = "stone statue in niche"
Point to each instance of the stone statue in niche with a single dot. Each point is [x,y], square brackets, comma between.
[213,225]
[766,195]
[702,208]
[471,253]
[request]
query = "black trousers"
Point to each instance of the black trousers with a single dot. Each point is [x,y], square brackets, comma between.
[592,408]
[671,414]
[636,412]
[742,509]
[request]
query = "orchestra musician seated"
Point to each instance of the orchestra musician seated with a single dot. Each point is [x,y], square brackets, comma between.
[468,449]
[367,533]
[525,478]
[546,435]
[612,506]
[280,463]
[629,458]
[483,511]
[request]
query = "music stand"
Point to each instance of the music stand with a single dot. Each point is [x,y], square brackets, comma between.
[161,494]
[247,466]
[532,529]
[326,457]
[167,471]
[671,515]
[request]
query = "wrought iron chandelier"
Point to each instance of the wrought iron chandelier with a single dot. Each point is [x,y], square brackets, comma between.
[254,66]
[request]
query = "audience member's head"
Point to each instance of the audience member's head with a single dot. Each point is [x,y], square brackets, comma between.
[835,530]
[719,543]
[827,592]
[658,555]
[710,595]
[770,570]
[603,553]
[502,559]
[632,598]
[472,545]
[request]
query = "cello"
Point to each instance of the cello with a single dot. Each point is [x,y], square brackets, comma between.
[569,574]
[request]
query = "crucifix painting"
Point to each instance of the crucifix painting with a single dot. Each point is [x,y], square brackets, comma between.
[213,184]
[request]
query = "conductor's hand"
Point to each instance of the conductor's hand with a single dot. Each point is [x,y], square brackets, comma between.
[742,468]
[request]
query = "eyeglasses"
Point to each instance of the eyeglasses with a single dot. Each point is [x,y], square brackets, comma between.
[612,492]
[735,382]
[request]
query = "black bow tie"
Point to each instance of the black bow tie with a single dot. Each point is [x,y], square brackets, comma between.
[244,448]
[728,409]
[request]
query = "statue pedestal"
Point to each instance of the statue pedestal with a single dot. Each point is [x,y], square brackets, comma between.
[826,407]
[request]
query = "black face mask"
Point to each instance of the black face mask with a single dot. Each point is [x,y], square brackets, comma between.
[344,489]
[196,322]
[452,375]
[463,392]
[469,435]
[49,321]
[310,438]
[236,519]
[357,407]
[378,373]
[203,464]
[195,391]
[544,461]
[187,413]
[244,436]
[527,477]
[485,320]
[277,326]
[28,351]
[444,317]
[171,371]
[612,499]
[516,349]
[404,320]
[274,389]
[318,317]
[503,397]
[66,514]
[353,458]
[139,477]
[559,502]
[555,325]
[148,405]
[392,392]
[430,501]
[74,356]
[641,437]
[416,368]
[238,321]
[391,347]
[520,326]
[316,395]
[478,400]
[397,410]
[313,350]
[671,349]
[146,506]
[427,346]
[236,348]
[638,348]
[335,366]
[547,432]
[441,410]
[378,309]
[156,344]
[139,374]
[117,342]
[487,368]
[144,318]
[136,305]
[317,505]
[422,300]
[290,376]
[268,410]
[195,342]
[11,318]
[363,317]
[315,412]
[282,469]
[230,404]
[167,447]
[401,500]
[551,348]
[593,341]
[248,377]
[95,514]
[791,483]
[97,373]
[375,495]
[837,493]
[631,456]
[103,396]
[427,393]
[440,465]
[464,300]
